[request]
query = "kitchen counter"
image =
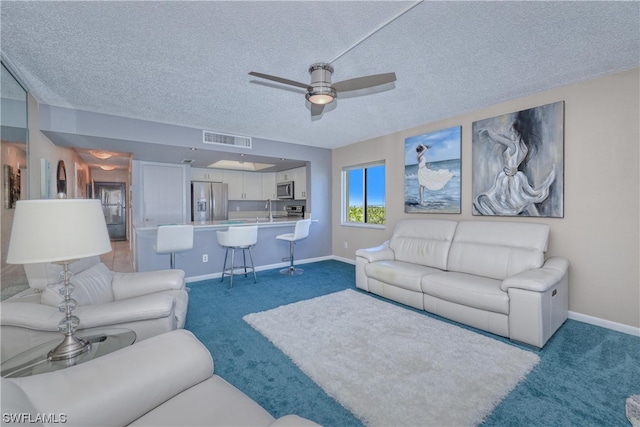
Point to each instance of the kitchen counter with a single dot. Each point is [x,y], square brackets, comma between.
[260,221]
[205,260]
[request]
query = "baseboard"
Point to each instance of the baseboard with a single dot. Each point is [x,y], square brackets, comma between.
[620,327]
[259,268]
[345,260]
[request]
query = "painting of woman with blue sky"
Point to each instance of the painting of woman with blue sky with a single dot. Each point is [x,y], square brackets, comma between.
[432,172]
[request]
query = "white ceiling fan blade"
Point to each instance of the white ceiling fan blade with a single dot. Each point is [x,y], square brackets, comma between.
[279,80]
[364,82]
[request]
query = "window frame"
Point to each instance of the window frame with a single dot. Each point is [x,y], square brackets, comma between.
[344,196]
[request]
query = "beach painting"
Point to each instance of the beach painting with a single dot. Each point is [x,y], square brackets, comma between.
[432,172]
[518,163]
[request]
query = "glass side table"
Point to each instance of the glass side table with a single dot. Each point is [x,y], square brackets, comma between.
[35,361]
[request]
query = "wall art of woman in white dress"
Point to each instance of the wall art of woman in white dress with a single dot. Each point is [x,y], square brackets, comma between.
[429,179]
[432,172]
[524,152]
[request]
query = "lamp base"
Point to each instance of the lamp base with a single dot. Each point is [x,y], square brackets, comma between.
[69,347]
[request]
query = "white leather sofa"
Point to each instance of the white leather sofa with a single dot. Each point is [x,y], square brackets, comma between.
[491,275]
[149,303]
[166,380]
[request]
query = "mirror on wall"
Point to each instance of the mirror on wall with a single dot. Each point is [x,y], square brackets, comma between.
[14,176]
[61,180]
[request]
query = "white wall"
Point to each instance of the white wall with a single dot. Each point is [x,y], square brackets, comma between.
[41,147]
[600,231]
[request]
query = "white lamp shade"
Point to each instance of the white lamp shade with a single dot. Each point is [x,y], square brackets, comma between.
[57,230]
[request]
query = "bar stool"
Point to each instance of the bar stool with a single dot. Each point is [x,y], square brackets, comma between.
[238,238]
[300,232]
[172,239]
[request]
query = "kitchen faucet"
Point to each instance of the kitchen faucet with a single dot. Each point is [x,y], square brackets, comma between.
[268,206]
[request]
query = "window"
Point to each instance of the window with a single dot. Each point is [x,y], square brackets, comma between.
[364,194]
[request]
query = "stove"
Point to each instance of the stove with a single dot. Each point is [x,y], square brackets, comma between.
[295,210]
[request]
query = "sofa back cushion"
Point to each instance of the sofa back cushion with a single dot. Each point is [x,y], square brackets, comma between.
[497,249]
[44,274]
[92,286]
[423,241]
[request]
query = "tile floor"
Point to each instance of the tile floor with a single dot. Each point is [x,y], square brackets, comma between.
[119,259]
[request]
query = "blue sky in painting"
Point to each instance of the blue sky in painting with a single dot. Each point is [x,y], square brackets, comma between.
[445,145]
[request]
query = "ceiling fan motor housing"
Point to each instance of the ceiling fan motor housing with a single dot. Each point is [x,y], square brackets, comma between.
[321,91]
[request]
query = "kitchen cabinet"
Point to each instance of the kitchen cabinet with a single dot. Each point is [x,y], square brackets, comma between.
[243,185]
[206,174]
[283,176]
[268,185]
[164,196]
[300,186]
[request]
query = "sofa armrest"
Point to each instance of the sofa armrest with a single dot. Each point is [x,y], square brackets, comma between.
[539,279]
[31,316]
[118,388]
[146,307]
[130,285]
[378,253]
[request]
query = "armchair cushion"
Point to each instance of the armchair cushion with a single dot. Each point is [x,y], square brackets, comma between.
[130,285]
[92,286]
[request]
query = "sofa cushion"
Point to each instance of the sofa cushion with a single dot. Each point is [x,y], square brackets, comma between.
[41,275]
[402,274]
[16,405]
[213,402]
[423,242]
[92,286]
[466,289]
[497,249]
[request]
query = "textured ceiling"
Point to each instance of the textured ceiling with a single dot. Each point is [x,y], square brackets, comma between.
[186,63]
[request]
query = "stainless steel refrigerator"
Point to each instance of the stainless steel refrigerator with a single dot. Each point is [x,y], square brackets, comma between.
[209,201]
[112,195]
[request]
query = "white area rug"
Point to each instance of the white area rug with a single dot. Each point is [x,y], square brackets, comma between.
[391,366]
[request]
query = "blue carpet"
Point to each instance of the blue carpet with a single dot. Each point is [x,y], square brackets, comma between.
[584,376]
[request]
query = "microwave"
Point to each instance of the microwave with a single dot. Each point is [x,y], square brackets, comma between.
[285,190]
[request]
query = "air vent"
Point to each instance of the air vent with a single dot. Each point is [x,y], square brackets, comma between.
[187,161]
[209,137]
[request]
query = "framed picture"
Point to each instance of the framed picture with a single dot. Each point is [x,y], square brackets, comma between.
[11,189]
[518,163]
[81,181]
[432,172]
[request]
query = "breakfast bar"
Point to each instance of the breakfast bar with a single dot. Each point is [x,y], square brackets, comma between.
[207,256]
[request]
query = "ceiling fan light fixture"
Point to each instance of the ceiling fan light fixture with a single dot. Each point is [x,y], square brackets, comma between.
[321,95]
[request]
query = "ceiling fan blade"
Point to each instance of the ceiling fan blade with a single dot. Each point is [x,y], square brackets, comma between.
[317,109]
[279,80]
[364,82]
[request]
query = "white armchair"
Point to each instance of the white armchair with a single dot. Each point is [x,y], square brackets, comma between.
[148,303]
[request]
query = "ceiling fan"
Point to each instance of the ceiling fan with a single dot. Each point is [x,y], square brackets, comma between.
[321,91]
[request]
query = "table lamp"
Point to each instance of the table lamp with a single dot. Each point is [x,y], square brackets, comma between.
[59,231]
